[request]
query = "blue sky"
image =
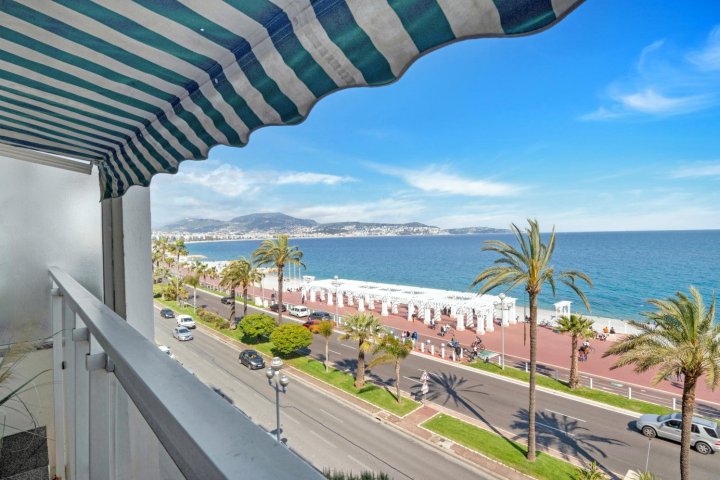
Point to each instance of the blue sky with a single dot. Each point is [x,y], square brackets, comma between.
[608,121]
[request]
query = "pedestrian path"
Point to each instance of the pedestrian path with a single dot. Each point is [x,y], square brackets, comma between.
[553,355]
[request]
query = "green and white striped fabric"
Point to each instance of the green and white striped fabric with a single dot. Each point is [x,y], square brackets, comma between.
[138,87]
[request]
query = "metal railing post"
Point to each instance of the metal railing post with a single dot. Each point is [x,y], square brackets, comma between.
[82,402]
[57,306]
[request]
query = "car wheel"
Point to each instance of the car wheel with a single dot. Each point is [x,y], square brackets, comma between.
[649,432]
[702,448]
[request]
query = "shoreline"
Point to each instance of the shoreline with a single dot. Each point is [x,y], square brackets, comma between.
[345,236]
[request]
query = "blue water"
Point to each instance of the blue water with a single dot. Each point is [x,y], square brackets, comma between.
[627,268]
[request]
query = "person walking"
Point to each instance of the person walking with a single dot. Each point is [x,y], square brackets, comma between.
[414,337]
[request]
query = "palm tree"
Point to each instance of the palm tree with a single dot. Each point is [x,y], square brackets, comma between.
[578,327]
[530,267]
[231,278]
[193,281]
[684,340]
[277,253]
[325,328]
[392,350]
[591,472]
[178,249]
[363,329]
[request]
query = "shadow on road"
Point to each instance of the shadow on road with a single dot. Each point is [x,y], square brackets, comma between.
[566,435]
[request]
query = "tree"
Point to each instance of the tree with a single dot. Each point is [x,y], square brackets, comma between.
[289,338]
[591,472]
[325,329]
[239,273]
[363,329]
[257,325]
[178,249]
[578,327]
[685,339]
[193,281]
[392,350]
[277,253]
[530,267]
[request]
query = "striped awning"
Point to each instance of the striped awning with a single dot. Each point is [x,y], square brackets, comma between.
[138,87]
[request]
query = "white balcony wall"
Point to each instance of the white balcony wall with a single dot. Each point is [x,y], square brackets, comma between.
[48,216]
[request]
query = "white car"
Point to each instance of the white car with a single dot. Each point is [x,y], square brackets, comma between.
[185,321]
[299,311]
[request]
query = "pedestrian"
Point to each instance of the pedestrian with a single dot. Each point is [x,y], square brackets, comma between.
[402,336]
[302,298]
[424,377]
[414,337]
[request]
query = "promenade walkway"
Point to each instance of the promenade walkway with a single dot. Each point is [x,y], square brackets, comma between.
[553,354]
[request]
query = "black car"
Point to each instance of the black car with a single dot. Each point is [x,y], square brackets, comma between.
[167,313]
[251,359]
[274,307]
[227,300]
[320,315]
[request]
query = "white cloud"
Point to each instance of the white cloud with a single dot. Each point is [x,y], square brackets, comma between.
[434,179]
[708,58]
[705,169]
[308,178]
[231,181]
[664,84]
[388,210]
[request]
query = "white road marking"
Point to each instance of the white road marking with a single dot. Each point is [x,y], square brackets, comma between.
[359,463]
[412,379]
[347,346]
[566,416]
[338,419]
[553,428]
[328,442]
[333,351]
[288,417]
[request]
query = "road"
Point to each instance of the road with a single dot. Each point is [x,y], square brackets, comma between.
[567,426]
[326,432]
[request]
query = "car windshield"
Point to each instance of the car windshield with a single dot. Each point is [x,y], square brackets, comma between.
[183,330]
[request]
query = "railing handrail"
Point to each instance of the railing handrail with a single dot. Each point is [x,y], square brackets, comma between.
[204,435]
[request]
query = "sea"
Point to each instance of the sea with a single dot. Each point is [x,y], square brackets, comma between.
[627,268]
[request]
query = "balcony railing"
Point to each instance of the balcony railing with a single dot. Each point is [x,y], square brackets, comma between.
[124,409]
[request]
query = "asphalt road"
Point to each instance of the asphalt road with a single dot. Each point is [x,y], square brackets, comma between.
[326,432]
[569,427]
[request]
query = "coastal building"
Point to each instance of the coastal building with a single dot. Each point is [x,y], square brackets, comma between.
[112,96]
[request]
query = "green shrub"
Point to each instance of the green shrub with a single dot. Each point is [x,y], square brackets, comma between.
[213,319]
[256,326]
[290,337]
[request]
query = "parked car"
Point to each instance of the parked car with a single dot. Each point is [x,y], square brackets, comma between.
[251,359]
[185,321]
[299,311]
[320,315]
[704,437]
[182,334]
[166,349]
[274,307]
[227,300]
[167,313]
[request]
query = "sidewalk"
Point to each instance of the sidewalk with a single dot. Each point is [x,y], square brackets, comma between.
[553,355]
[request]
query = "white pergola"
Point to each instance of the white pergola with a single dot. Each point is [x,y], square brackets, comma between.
[468,309]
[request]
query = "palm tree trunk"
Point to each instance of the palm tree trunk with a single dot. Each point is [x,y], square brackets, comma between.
[327,350]
[232,306]
[573,382]
[245,299]
[360,373]
[533,368]
[688,404]
[280,292]
[195,299]
[397,380]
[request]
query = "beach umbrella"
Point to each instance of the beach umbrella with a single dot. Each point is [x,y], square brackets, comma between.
[136,88]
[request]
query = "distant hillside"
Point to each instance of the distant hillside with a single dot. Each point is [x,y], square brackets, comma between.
[269,221]
[273,223]
[476,230]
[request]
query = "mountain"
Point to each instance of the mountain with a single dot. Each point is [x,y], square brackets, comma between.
[269,221]
[258,225]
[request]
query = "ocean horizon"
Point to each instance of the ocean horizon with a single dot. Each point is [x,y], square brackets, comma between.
[627,268]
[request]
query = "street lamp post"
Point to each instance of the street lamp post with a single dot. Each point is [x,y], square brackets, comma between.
[281,383]
[502,329]
[336,284]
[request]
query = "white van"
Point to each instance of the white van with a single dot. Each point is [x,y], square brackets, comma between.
[299,311]
[185,321]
